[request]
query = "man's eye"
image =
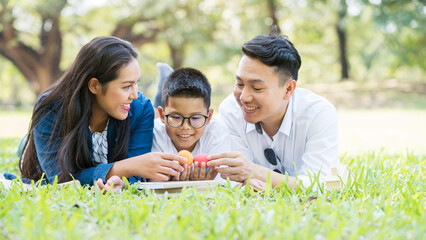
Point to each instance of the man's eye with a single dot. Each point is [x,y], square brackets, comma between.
[176,117]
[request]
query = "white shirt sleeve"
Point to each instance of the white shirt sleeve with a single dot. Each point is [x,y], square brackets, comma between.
[306,143]
[321,148]
[160,139]
[216,138]
[228,114]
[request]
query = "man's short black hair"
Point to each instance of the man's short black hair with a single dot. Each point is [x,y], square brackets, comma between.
[187,82]
[275,51]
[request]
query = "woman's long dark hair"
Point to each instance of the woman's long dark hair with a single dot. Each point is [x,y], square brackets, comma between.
[101,58]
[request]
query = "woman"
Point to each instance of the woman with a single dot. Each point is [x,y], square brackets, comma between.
[94,124]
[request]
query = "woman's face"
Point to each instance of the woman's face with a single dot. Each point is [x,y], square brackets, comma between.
[115,97]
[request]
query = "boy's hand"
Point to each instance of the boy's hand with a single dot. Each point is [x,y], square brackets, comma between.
[184,176]
[199,174]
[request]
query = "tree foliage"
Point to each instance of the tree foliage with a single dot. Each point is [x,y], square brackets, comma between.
[36,58]
[403,23]
[374,37]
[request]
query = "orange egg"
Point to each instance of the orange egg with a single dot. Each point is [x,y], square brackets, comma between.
[186,154]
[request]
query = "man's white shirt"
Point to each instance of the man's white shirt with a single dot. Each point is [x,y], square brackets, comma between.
[305,144]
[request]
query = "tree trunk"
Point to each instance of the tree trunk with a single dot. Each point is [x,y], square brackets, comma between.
[272,14]
[341,35]
[177,54]
[40,67]
[39,70]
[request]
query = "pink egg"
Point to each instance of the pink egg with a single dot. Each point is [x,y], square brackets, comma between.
[202,157]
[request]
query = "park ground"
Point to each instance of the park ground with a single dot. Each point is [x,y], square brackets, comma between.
[385,200]
[387,116]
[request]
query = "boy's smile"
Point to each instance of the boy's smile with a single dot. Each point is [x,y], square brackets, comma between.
[184,137]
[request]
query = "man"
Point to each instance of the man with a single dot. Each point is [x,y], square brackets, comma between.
[276,129]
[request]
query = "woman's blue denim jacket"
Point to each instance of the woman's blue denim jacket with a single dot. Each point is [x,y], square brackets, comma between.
[141,116]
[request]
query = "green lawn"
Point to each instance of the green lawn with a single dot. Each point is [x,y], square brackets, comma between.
[361,130]
[387,201]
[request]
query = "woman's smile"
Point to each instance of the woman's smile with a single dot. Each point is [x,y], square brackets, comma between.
[126,106]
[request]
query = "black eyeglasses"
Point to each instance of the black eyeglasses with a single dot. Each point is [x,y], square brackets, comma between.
[272,158]
[196,120]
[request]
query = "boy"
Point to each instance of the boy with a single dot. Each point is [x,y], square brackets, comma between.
[185,122]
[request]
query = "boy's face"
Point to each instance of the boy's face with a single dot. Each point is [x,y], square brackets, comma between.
[185,137]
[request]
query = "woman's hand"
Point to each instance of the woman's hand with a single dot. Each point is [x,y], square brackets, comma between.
[152,165]
[114,184]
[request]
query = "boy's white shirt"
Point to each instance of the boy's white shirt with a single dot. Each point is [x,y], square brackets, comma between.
[216,139]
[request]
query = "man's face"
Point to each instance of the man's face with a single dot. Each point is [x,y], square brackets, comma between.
[259,94]
[185,137]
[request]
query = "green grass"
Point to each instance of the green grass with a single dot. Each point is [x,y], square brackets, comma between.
[387,201]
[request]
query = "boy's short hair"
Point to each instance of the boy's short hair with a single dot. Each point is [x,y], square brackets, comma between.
[187,82]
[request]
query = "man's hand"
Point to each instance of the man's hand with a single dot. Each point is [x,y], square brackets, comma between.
[239,167]
[257,184]
[199,174]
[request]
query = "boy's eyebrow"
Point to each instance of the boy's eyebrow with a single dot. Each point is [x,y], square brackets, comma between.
[193,113]
[251,80]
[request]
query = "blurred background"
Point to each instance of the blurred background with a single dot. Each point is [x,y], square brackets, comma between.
[366,56]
